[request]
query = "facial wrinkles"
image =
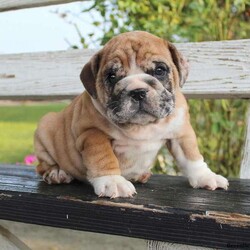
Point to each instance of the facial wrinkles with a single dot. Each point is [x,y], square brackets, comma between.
[129,56]
[133,54]
[134,69]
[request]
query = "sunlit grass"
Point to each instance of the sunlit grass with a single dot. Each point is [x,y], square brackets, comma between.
[16,141]
[17,126]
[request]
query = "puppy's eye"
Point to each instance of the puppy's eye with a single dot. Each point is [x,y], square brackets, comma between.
[160,71]
[112,78]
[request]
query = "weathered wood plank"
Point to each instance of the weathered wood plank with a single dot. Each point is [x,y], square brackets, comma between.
[245,164]
[218,70]
[6,5]
[165,209]
[52,75]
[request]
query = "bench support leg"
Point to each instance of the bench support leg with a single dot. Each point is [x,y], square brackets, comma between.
[9,239]
[245,164]
[159,245]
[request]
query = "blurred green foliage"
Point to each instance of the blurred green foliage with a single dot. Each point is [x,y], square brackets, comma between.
[219,124]
[180,20]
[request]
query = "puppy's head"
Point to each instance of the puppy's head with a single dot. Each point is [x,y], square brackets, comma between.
[134,78]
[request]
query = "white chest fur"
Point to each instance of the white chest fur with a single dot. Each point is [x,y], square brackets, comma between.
[137,149]
[136,157]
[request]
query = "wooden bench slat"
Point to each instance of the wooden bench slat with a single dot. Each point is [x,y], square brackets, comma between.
[165,209]
[218,70]
[6,5]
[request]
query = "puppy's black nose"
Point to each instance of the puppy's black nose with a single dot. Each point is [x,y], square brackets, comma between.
[138,94]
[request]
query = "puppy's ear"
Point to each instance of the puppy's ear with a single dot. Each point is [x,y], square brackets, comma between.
[89,73]
[180,62]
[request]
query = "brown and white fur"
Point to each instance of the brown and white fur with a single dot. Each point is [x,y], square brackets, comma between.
[111,134]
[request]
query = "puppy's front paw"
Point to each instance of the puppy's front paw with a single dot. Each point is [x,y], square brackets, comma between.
[112,186]
[208,180]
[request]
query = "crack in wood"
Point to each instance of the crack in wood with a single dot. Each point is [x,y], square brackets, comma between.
[122,205]
[7,76]
[231,219]
[127,205]
[4,196]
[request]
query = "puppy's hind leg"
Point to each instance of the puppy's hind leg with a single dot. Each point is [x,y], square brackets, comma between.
[53,174]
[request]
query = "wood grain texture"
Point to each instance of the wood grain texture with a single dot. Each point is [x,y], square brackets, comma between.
[245,163]
[217,70]
[6,5]
[165,209]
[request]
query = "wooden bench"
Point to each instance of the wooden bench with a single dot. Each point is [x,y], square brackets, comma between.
[166,208]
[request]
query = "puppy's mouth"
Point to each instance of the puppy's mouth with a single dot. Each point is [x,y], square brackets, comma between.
[140,106]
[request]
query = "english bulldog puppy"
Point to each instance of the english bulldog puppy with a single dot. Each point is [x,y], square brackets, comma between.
[133,105]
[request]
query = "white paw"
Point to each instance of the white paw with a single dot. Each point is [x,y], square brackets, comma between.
[57,176]
[208,180]
[112,186]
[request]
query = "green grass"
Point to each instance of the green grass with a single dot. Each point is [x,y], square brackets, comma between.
[17,126]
